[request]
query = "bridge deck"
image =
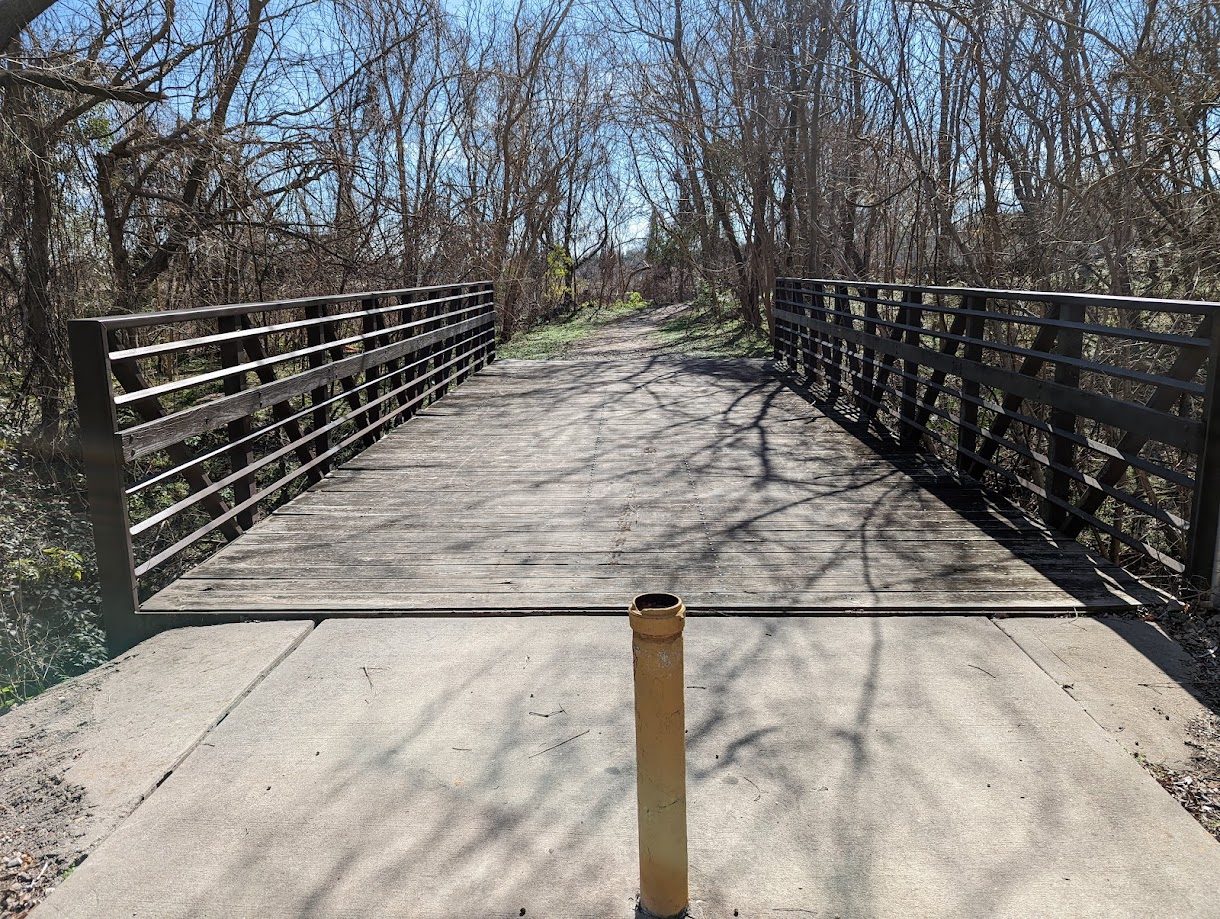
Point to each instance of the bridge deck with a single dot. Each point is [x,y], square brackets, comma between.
[574,485]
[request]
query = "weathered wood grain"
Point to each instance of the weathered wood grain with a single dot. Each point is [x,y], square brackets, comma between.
[573,485]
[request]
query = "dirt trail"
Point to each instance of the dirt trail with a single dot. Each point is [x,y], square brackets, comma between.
[631,336]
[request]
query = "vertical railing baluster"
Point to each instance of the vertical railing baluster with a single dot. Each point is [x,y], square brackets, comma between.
[490,300]
[240,454]
[314,337]
[912,318]
[839,302]
[465,365]
[854,363]
[869,367]
[804,338]
[776,325]
[968,415]
[1069,343]
[435,312]
[797,337]
[368,341]
[420,360]
[399,381]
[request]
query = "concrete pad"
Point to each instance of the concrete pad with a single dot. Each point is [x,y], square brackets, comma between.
[906,767]
[80,757]
[1132,678]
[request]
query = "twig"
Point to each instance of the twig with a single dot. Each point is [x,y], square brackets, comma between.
[977,667]
[548,714]
[560,744]
[45,865]
[756,788]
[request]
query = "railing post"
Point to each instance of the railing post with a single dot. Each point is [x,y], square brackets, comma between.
[1068,343]
[834,343]
[1205,508]
[490,300]
[89,345]
[912,318]
[368,342]
[854,364]
[813,353]
[422,359]
[241,455]
[314,337]
[868,362]
[775,348]
[802,339]
[968,416]
[468,347]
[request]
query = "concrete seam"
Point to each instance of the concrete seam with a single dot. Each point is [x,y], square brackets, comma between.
[1051,677]
[195,744]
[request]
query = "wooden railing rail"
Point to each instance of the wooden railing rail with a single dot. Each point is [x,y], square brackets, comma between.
[1100,411]
[196,421]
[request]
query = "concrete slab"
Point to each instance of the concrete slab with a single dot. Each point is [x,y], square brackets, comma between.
[837,767]
[1132,678]
[79,758]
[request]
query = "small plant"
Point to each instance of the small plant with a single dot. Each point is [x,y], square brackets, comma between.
[633,302]
[49,606]
[711,328]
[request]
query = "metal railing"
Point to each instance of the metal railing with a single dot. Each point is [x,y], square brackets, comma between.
[196,421]
[1100,411]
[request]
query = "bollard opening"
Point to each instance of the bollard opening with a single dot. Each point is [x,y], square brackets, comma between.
[658,602]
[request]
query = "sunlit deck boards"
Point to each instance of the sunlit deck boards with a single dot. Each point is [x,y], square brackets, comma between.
[574,485]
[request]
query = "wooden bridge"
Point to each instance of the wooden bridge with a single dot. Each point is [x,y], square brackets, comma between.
[249,450]
[450,731]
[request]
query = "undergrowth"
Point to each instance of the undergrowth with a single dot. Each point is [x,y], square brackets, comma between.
[50,612]
[712,327]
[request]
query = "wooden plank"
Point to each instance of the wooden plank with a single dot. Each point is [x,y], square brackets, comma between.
[560,506]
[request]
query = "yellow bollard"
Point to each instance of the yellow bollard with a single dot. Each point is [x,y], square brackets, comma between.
[660,751]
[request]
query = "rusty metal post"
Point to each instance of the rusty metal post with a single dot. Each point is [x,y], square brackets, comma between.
[660,748]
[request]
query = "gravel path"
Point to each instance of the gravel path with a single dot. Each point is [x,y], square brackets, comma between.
[631,336]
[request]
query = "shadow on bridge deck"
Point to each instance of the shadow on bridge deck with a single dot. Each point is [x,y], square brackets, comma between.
[549,486]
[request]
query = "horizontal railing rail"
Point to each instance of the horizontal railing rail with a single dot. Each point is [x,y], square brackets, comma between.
[195,422]
[1098,412]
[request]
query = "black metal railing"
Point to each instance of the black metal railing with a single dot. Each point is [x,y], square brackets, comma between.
[1098,410]
[195,422]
